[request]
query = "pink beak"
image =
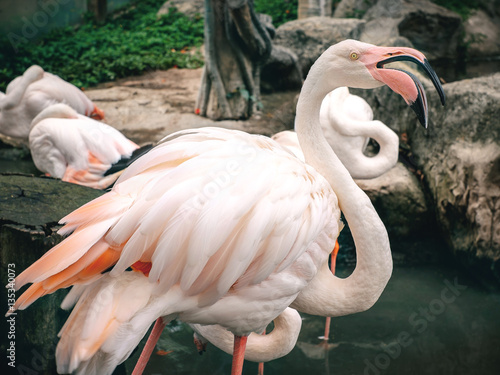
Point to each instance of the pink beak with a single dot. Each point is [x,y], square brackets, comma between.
[404,83]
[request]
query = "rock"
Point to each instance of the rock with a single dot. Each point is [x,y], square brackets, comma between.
[147,108]
[400,202]
[282,71]
[352,8]
[29,211]
[482,35]
[309,38]
[460,158]
[191,8]
[431,29]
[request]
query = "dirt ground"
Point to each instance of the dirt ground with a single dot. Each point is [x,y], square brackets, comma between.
[148,107]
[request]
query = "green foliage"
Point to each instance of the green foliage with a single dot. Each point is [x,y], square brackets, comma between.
[281,10]
[131,43]
[462,7]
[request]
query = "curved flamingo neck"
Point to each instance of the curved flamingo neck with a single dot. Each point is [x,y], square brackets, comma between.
[328,295]
[366,167]
[260,348]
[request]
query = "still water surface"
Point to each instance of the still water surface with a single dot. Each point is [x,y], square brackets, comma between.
[431,319]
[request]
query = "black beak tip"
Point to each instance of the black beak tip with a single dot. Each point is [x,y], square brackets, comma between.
[420,112]
[435,80]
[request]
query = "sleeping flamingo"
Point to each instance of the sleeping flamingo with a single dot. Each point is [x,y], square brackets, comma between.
[26,96]
[347,123]
[76,148]
[227,228]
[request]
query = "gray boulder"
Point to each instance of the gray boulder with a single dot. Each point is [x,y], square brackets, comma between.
[352,8]
[310,37]
[431,28]
[460,157]
[482,35]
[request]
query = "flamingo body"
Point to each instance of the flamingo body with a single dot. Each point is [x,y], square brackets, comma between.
[76,148]
[26,96]
[244,227]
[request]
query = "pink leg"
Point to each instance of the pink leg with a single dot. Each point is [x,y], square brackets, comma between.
[148,348]
[260,369]
[240,343]
[332,267]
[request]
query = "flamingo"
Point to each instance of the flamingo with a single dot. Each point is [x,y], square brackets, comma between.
[76,148]
[227,228]
[347,123]
[26,96]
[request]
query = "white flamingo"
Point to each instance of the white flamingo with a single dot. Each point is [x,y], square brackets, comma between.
[228,228]
[26,96]
[76,148]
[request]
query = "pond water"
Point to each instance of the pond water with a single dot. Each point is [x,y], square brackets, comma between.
[431,319]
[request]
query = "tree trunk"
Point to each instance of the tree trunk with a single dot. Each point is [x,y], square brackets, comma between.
[313,8]
[236,46]
[99,8]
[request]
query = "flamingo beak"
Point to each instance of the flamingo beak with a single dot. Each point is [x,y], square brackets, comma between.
[97,114]
[402,82]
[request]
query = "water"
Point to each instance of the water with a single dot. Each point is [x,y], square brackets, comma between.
[431,319]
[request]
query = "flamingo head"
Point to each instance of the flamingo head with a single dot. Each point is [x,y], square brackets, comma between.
[97,114]
[362,65]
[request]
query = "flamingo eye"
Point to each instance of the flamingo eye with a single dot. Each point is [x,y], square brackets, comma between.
[354,56]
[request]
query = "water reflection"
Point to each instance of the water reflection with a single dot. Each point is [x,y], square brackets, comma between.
[431,319]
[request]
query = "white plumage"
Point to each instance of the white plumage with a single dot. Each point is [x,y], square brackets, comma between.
[76,148]
[26,96]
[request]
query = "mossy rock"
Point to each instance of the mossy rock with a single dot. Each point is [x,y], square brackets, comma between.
[30,208]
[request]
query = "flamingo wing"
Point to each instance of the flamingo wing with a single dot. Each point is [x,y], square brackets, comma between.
[212,210]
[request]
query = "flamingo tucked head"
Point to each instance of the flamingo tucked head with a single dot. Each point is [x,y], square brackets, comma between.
[366,69]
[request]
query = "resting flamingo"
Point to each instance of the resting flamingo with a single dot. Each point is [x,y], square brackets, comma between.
[76,148]
[228,228]
[347,123]
[26,96]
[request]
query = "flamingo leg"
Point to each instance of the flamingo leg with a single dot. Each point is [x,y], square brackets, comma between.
[240,343]
[333,260]
[148,348]
[260,369]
